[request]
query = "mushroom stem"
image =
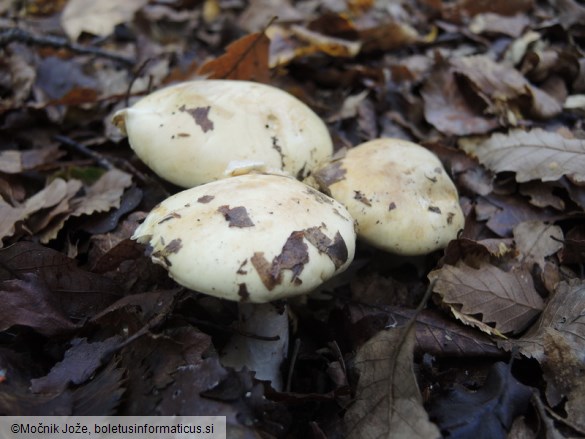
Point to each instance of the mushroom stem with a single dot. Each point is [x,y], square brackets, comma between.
[266,320]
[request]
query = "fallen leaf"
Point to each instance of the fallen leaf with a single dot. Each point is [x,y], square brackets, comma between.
[533,155]
[509,211]
[105,194]
[507,299]
[504,89]
[245,59]
[574,246]
[99,396]
[542,194]
[490,23]
[462,9]
[29,302]
[565,314]
[80,293]
[388,36]
[98,18]
[388,401]
[14,161]
[80,362]
[447,109]
[536,240]
[486,413]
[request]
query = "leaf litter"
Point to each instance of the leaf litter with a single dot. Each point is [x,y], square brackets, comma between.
[89,326]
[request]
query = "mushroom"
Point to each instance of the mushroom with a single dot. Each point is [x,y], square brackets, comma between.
[398,192]
[189,133]
[254,239]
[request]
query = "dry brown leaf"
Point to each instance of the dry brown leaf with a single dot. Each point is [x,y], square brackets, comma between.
[447,109]
[541,194]
[536,240]
[470,8]
[259,13]
[388,403]
[54,194]
[490,23]
[102,196]
[388,36]
[504,90]
[245,59]
[565,314]
[290,43]
[15,162]
[533,155]
[507,299]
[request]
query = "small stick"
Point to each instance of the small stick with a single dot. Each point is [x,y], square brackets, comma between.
[76,146]
[20,35]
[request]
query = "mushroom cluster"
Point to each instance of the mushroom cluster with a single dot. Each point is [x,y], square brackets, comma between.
[257,237]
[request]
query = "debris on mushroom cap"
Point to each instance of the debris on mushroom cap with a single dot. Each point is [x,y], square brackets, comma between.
[190,132]
[253,237]
[399,194]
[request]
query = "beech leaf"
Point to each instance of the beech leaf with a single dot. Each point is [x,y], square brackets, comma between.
[507,299]
[536,240]
[388,402]
[533,155]
[565,314]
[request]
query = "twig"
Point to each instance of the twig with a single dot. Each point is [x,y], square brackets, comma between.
[20,35]
[76,146]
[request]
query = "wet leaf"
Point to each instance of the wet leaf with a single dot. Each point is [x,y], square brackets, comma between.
[388,402]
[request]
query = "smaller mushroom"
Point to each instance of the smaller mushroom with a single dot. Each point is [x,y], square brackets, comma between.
[189,133]
[399,193]
[254,239]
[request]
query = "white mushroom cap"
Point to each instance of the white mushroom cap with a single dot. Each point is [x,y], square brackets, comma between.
[253,237]
[190,132]
[399,194]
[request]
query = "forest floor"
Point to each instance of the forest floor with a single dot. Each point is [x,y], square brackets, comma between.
[90,326]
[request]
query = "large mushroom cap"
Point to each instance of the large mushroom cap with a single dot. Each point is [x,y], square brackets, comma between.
[399,194]
[252,238]
[189,133]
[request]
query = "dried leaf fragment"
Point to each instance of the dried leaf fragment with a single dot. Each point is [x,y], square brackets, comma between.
[236,216]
